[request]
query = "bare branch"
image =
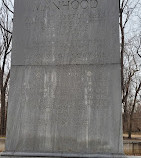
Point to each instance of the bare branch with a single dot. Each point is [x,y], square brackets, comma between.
[7,7]
[5,29]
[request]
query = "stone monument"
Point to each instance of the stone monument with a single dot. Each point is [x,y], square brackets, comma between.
[65,94]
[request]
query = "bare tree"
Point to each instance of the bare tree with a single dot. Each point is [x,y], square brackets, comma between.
[134,97]
[6,17]
[138,88]
[129,58]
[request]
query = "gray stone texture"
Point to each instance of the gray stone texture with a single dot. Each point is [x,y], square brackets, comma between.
[46,35]
[82,156]
[64,109]
[65,94]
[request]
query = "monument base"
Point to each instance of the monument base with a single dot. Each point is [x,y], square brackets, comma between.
[63,155]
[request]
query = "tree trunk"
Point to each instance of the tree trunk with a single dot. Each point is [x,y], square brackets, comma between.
[130,127]
[3,113]
[132,111]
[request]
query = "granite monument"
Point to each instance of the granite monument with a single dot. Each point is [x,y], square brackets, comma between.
[65,93]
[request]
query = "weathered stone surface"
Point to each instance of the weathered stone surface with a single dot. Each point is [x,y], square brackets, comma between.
[52,32]
[65,95]
[82,156]
[65,109]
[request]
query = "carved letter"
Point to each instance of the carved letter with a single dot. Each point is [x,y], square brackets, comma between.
[75,4]
[84,4]
[65,4]
[93,3]
[57,6]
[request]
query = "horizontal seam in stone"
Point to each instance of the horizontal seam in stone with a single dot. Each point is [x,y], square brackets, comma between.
[72,64]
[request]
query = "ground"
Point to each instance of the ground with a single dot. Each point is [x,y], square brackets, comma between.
[131,146]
